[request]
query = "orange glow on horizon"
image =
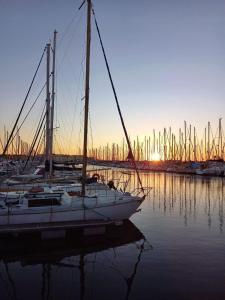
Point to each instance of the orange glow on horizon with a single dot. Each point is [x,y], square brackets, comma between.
[156,156]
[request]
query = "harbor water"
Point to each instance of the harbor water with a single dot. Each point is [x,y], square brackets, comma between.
[174,248]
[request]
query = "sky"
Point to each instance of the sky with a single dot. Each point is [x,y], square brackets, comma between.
[167,60]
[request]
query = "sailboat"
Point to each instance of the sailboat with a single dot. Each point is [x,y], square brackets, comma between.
[74,205]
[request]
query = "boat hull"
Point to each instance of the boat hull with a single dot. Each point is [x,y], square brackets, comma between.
[92,213]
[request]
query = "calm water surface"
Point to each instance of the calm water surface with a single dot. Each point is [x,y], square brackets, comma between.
[173,249]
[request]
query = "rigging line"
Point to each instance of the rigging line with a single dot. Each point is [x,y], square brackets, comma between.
[91,131]
[43,114]
[76,100]
[81,4]
[61,121]
[1,144]
[32,129]
[71,102]
[75,106]
[117,102]
[24,102]
[38,145]
[34,141]
[67,28]
[41,148]
[68,45]
[78,91]
[58,143]
[12,283]
[80,125]
[35,101]
[38,127]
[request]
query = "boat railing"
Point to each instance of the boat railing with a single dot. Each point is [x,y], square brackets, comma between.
[145,190]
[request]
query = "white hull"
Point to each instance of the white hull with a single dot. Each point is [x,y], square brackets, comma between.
[102,212]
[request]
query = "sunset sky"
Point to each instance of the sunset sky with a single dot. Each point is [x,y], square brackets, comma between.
[167,59]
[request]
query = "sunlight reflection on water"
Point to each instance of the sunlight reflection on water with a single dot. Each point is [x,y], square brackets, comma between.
[173,250]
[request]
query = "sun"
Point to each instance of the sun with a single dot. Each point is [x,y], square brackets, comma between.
[155,156]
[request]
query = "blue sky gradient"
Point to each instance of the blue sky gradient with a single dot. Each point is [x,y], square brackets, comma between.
[167,59]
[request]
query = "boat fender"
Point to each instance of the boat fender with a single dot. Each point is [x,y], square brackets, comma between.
[111,185]
[96,176]
[93,179]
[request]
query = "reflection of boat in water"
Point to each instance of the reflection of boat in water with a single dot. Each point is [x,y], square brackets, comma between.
[32,248]
[73,253]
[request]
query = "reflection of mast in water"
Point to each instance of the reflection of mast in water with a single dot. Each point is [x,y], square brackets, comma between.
[130,279]
[172,193]
[54,254]
[158,178]
[188,196]
[221,199]
[164,198]
[82,276]
[180,194]
[194,214]
[209,204]
[154,185]
[185,202]
[158,186]
[46,277]
[154,198]
[11,281]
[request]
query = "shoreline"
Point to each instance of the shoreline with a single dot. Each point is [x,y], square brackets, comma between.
[206,168]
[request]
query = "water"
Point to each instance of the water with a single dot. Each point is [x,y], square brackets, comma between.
[175,249]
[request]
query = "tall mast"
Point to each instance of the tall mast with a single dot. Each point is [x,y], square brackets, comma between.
[209,140]
[185,141]
[47,142]
[195,152]
[164,141]
[170,134]
[189,145]
[220,143]
[52,104]
[86,107]
[180,152]
[206,153]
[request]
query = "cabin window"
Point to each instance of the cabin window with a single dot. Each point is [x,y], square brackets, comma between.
[44,202]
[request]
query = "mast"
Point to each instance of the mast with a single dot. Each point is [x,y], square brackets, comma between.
[205,136]
[164,141]
[159,144]
[220,143]
[195,152]
[170,143]
[52,104]
[5,138]
[172,147]
[86,107]
[189,145]
[209,140]
[185,141]
[47,142]
[180,151]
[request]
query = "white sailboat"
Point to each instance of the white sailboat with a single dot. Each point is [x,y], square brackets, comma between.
[74,205]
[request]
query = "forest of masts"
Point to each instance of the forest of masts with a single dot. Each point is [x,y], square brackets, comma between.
[185,146]
[17,146]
